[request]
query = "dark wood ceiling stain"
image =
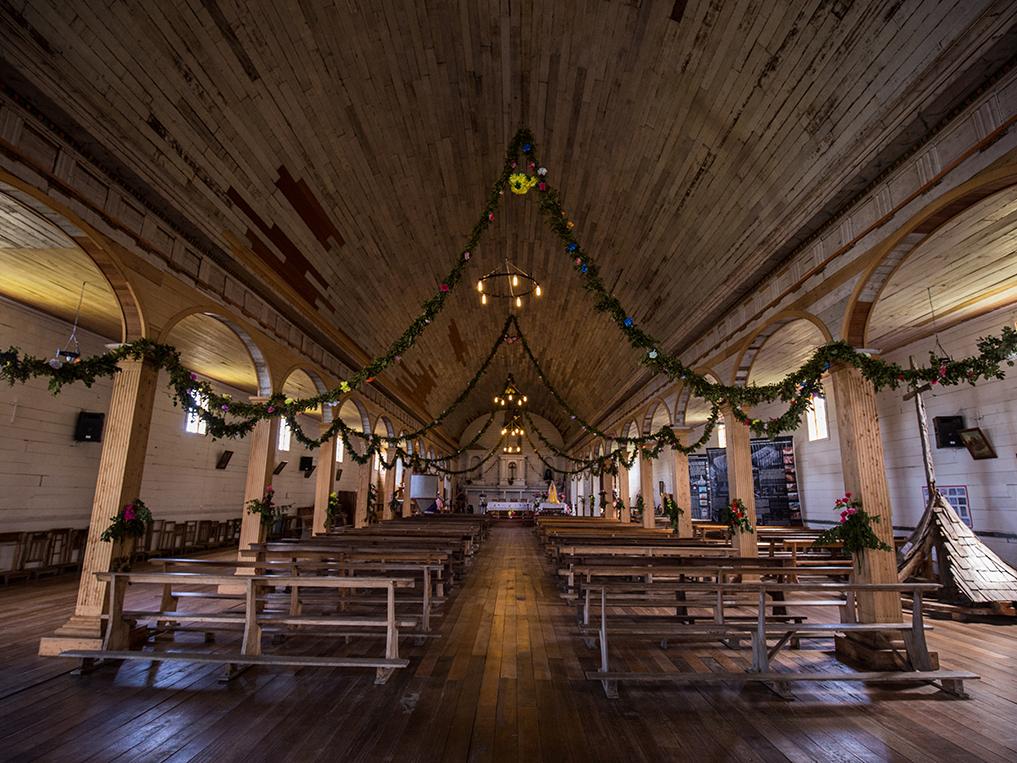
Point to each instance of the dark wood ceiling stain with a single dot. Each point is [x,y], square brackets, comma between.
[690,155]
[295,267]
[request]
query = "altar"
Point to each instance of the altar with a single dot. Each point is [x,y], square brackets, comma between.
[494,507]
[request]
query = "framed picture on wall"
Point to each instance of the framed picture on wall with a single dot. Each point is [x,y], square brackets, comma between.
[977,443]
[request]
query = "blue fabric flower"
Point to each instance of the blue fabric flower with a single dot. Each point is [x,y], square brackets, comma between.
[584,268]
[572,246]
[527,148]
[628,322]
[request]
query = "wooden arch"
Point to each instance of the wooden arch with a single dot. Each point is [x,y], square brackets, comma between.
[316,380]
[261,366]
[681,405]
[751,347]
[132,319]
[651,413]
[889,255]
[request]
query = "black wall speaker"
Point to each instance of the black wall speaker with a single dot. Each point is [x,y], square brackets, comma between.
[224,459]
[948,431]
[89,426]
[306,463]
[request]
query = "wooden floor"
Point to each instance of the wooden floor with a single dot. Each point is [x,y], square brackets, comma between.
[505,682]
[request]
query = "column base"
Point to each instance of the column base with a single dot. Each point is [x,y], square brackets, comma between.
[80,632]
[868,651]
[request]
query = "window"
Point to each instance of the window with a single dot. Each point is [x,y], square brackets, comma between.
[816,419]
[193,423]
[339,450]
[721,435]
[284,435]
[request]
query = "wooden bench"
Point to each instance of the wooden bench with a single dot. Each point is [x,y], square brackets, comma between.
[765,629]
[426,597]
[252,619]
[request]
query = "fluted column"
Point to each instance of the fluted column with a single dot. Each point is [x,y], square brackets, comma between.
[260,464]
[324,482]
[363,487]
[680,481]
[407,484]
[390,491]
[863,465]
[648,489]
[121,466]
[739,479]
[623,493]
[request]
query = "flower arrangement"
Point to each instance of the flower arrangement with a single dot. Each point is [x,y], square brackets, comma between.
[520,182]
[736,517]
[264,507]
[593,503]
[332,510]
[673,511]
[130,522]
[854,530]
[640,506]
[619,506]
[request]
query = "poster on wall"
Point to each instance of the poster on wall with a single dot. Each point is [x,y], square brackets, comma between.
[774,479]
[957,495]
[699,484]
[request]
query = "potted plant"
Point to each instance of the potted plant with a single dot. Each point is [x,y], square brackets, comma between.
[854,531]
[332,511]
[264,507]
[736,517]
[639,507]
[673,511]
[129,524]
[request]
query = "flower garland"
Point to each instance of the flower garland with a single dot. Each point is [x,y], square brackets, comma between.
[796,388]
[736,517]
[131,521]
[855,529]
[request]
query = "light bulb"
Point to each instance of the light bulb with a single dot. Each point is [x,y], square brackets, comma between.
[515,280]
[519,401]
[483,299]
[538,290]
[503,431]
[519,301]
[480,286]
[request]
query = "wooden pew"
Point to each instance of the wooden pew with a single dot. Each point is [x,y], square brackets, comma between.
[252,619]
[765,629]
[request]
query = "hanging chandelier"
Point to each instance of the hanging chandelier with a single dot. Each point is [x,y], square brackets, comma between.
[513,427]
[511,395]
[70,353]
[511,282]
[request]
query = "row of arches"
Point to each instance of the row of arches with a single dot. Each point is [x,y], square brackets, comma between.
[74,260]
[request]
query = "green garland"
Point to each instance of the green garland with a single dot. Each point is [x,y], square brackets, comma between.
[796,389]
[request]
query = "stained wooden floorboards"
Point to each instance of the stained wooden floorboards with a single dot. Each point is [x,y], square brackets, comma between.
[504,683]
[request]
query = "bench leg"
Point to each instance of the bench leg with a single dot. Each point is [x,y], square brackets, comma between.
[610,689]
[232,670]
[954,687]
[382,675]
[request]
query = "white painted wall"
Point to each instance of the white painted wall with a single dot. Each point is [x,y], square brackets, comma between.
[49,480]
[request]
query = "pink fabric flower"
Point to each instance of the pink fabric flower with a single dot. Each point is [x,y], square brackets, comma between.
[444,288]
[466,255]
[490,216]
[542,186]
[129,512]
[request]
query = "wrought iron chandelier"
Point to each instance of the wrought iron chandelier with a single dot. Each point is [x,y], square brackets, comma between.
[511,395]
[511,282]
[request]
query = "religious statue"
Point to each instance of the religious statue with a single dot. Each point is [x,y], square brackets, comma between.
[552,493]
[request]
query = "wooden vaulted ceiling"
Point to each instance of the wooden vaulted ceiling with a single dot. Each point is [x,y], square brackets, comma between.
[339,153]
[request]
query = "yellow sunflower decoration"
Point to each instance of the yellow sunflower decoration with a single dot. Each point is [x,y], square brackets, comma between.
[520,182]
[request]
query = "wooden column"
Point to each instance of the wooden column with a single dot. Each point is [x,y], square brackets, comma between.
[648,489]
[407,498]
[862,462]
[360,512]
[121,466]
[324,482]
[390,491]
[680,480]
[623,493]
[739,479]
[607,481]
[260,464]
